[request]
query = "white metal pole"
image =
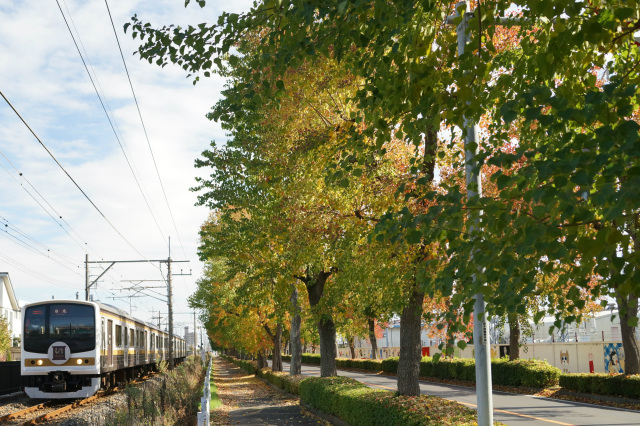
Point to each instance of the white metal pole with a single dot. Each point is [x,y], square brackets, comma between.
[480,323]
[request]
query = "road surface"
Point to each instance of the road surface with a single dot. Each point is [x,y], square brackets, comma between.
[508,408]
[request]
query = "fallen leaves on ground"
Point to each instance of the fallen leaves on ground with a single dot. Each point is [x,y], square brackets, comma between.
[237,389]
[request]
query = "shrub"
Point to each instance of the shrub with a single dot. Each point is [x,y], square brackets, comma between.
[523,372]
[602,384]
[363,364]
[313,359]
[172,398]
[358,405]
[390,365]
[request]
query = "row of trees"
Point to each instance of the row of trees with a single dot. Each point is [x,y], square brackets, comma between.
[343,178]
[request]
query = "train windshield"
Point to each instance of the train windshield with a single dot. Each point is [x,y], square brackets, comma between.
[59,322]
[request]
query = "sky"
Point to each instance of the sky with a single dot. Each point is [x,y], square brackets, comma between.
[121,207]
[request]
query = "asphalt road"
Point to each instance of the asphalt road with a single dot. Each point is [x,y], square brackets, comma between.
[508,408]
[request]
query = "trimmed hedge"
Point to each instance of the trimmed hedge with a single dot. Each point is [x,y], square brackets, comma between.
[522,372]
[525,372]
[602,384]
[358,405]
[281,379]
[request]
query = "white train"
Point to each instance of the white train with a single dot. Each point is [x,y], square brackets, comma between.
[72,348]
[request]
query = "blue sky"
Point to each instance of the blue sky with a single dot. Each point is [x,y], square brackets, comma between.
[42,75]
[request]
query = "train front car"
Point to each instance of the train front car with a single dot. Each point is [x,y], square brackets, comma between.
[60,357]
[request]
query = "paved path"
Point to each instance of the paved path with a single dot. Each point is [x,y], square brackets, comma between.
[252,402]
[511,409]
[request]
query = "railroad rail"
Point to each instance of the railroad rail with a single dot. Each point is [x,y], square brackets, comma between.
[24,412]
[16,415]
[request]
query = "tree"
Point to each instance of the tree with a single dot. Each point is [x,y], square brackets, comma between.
[5,335]
[573,202]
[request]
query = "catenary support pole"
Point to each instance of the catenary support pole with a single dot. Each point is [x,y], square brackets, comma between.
[86,277]
[170,298]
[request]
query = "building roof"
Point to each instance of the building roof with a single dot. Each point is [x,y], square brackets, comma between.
[4,276]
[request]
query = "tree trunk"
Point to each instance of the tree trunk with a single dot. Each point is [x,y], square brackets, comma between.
[372,338]
[326,328]
[277,349]
[295,367]
[276,338]
[410,348]
[352,347]
[262,360]
[514,337]
[628,309]
[327,331]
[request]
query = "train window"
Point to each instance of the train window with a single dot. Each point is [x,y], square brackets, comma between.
[145,339]
[73,324]
[126,337]
[118,335]
[132,340]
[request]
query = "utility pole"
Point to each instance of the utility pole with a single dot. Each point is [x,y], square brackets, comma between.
[474,188]
[194,333]
[86,276]
[170,299]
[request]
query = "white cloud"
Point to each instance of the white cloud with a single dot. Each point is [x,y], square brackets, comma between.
[43,76]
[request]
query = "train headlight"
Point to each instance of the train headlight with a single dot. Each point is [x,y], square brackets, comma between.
[39,362]
[79,362]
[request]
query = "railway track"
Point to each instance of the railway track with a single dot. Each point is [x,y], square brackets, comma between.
[48,410]
[45,411]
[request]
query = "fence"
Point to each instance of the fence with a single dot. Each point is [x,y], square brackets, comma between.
[9,377]
[203,415]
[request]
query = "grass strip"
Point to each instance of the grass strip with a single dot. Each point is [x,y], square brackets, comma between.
[214,401]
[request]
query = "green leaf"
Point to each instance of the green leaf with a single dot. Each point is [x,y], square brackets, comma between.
[462,344]
[414,236]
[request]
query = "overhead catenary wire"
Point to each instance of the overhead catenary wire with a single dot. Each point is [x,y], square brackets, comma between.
[73,180]
[86,246]
[111,122]
[28,246]
[35,274]
[9,225]
[58,218]
[144,128]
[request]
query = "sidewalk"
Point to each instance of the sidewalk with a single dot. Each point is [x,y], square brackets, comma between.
[249,401]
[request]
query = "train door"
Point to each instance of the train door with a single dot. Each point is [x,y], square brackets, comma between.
[110,342]
[103,353]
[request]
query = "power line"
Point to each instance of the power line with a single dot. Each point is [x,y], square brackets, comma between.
[57,216]
[36,274]
[109,118]
[8,225]
[69,176]
[83,248]
[144,128]
[35,250]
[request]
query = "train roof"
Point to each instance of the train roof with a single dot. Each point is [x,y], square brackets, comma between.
[102,306]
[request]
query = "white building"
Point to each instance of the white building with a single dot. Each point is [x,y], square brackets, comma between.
[9,305]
